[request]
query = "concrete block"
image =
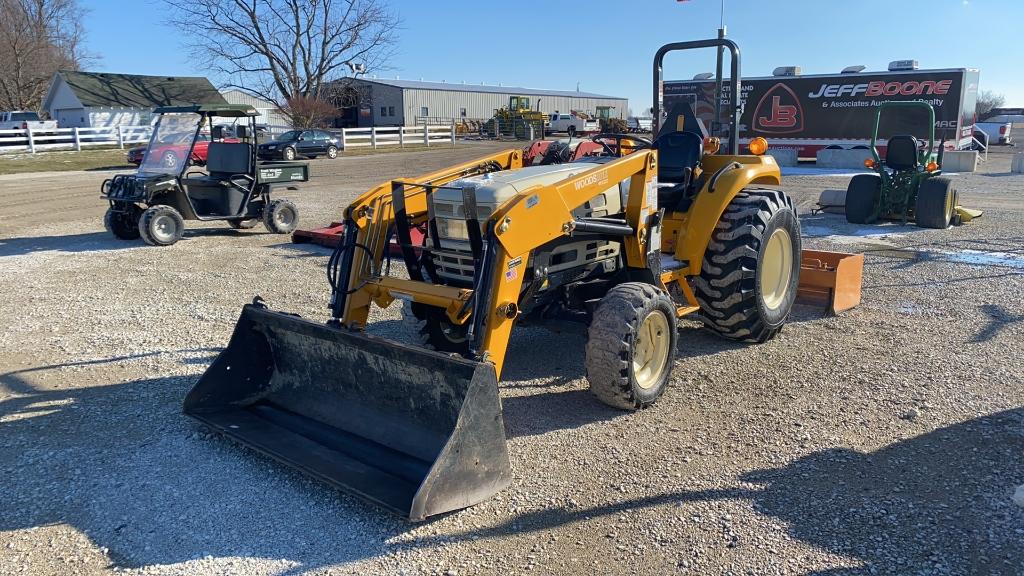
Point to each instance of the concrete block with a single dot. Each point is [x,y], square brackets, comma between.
[960,161]
[842,158]
[1017,167]
[783,156]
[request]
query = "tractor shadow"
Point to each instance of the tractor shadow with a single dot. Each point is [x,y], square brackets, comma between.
[121,464]
[939,502]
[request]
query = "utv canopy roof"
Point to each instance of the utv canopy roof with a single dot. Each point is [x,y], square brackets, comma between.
[228,110]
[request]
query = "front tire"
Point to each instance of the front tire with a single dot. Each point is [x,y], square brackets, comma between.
[862,197]
[332,152]
[123,224]
[751,268]
[631,346]
[288,153]
[169,160]
[161,226]
[436,331]
[281,217]
[936,202]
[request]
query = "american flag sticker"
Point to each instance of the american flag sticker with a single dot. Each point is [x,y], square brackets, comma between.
[511,275]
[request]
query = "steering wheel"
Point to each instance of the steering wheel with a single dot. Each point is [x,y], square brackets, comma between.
[638,143]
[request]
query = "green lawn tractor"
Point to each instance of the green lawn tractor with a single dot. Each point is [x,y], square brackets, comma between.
[908,184]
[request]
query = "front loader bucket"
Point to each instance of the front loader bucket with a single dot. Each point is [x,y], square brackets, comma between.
[832,277]
[413,430]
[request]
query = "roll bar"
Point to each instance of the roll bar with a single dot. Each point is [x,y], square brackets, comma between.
[734,82]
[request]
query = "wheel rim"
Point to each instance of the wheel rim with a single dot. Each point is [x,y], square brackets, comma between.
[170,160]
[650,350]
[950,201]
[289,154]
[284,217]
[776,268]
[332,152]
[164,228]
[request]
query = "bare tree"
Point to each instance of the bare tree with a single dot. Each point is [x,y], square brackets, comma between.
[987,100]
[309,111]
[281,50]
[37,38]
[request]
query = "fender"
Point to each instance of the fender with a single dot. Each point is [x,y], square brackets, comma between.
[699,223]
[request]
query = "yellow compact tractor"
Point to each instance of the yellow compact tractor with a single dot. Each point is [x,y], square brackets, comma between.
[624,241]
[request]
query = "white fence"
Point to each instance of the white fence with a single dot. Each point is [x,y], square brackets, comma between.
[397,136]
[72,138]
[79,138]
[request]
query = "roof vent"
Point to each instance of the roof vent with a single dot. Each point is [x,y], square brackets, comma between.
[787,71]
[704,76]
[899,65]
[853,69]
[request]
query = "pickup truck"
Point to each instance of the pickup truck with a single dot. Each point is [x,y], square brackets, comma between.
[639,124]
[998,132]
[572,124]
[18,120]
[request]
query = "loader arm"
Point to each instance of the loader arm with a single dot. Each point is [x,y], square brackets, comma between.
[373,215]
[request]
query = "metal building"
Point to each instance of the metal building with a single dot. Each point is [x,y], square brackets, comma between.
[385,102]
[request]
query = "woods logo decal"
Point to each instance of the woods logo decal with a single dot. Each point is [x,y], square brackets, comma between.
[779,111]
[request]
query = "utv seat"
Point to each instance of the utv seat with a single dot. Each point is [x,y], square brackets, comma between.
[679,155]
[901,152]
[223,191]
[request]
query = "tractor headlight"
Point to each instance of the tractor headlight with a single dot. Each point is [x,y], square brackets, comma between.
[452,228]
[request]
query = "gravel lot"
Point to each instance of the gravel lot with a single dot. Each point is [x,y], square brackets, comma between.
[885,440]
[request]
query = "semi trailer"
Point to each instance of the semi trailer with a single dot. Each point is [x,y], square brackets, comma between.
[813,112]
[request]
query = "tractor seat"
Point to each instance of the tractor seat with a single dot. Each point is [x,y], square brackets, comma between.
[901,152]
[679,155]
[223,161]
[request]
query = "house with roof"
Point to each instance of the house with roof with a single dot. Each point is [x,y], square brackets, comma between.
[101,99]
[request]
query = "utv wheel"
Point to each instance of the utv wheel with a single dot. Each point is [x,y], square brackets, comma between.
[161,226]
[281,217]
[751,268]
[936,201]
[631,346]
[862,197]
[288,153]
[332,152]
[123,223]
[243,223]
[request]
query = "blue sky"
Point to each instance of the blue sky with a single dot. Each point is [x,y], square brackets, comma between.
[607,46]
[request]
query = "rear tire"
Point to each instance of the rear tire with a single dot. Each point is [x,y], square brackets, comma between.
[161,226]
[936,203]
[751,268]
[862,197]
[631,346]
[123,224]
[281,217]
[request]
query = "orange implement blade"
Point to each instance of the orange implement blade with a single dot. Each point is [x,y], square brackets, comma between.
[832,277]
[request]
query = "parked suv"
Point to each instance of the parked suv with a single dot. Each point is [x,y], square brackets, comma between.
[308,143]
